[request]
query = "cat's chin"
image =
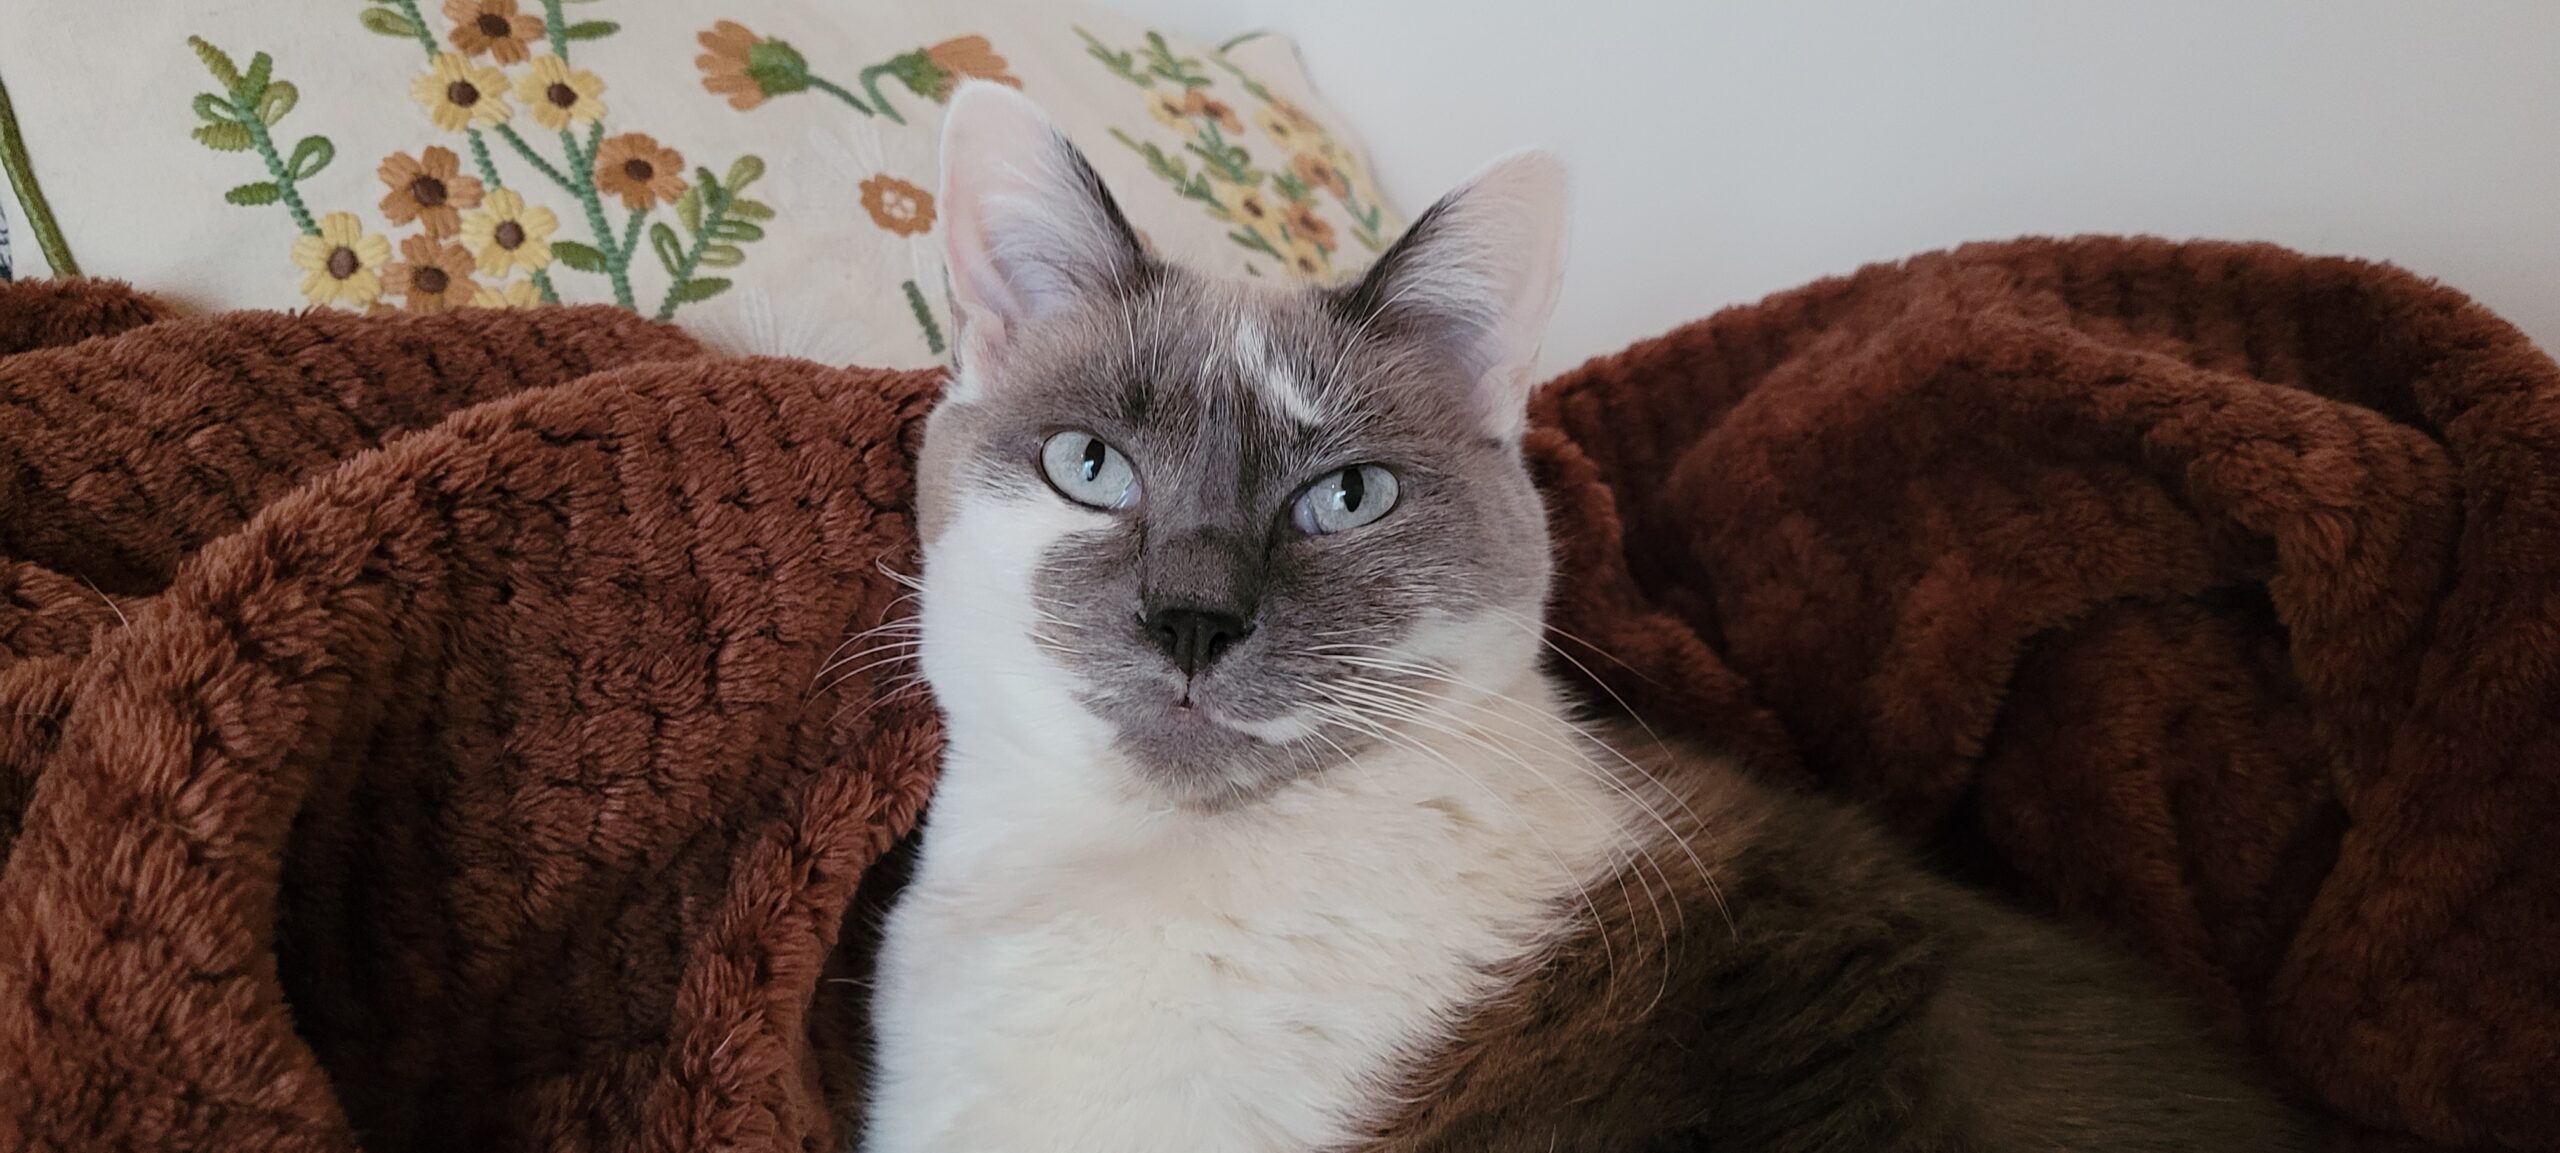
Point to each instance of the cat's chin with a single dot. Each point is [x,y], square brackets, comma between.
[1203,758]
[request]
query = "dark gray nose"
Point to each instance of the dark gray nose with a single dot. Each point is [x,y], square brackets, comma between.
[1194,637]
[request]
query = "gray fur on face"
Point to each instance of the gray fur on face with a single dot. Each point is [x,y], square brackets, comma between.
[1229,400]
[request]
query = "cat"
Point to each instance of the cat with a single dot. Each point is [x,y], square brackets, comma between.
[1262,826]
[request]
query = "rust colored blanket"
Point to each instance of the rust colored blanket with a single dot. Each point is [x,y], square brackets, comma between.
[412,732]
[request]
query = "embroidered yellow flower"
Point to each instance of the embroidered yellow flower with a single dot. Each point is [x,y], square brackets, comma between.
[1167,108]
[509,234]
[1290,130]
[556,95]
[1250,208]
[342,265]
[456,93]
[1306,261]
[517,294]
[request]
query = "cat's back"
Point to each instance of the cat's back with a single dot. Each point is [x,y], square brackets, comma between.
[1818,988]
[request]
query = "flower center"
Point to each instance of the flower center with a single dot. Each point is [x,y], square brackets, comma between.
[427,191]
[343,262]
[509,235]
[494,26]
[562,95]
[462,94]
[638,171]
[431,281]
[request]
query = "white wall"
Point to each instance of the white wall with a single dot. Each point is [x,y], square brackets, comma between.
[1725,150]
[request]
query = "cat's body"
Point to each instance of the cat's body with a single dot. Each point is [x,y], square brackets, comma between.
[1262,828]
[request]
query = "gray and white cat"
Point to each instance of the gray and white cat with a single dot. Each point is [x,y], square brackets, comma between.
[1261,827]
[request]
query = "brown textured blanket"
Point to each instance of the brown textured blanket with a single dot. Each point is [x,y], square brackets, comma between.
[412,736]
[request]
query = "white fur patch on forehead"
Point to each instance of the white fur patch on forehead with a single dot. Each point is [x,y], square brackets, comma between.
[1270,379]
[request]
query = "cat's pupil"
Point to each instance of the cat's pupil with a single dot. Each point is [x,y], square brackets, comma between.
[1353,489]
[1094,454]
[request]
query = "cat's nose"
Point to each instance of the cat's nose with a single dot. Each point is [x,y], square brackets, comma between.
[1193,637]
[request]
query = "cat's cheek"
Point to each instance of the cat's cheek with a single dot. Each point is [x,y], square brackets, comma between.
[980,655]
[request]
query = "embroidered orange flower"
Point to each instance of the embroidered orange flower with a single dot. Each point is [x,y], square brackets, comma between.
[492,26]
[639,170]
[343,263]
[747,68]
[428,188]
[434,275]
[971,58]
[457,93]
[898,206]
[1196,102]
[556,95]
[1305,225]
[1317,172]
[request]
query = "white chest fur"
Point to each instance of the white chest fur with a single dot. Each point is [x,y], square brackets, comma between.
[1074,972]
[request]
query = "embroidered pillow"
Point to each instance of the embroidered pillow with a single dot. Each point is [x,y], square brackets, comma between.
[761,171]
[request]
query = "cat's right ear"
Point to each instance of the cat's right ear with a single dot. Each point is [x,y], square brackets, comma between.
[1027,227]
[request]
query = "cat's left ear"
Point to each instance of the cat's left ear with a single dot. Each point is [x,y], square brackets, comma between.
[1475,279]
[1027,227]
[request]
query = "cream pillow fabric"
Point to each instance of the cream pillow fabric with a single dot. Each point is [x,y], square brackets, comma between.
[761,171]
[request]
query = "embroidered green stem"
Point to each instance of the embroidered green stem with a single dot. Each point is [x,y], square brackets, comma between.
[831,88]
[558,25]
[507,132]
[22,182]
[871,84]
[715,210]
[276,167]
[924,318]
[617,260]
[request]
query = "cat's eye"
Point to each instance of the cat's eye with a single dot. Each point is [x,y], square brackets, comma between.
[1087,470]
[1345,500]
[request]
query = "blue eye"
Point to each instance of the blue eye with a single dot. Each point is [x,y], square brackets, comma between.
[1087,470]
[1345,500]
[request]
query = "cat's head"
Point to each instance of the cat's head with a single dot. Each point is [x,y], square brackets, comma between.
[1229,532]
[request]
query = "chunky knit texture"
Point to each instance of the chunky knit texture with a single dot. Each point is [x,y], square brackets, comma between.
[412,732]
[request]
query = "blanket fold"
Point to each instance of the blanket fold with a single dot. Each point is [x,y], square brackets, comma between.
[470,731]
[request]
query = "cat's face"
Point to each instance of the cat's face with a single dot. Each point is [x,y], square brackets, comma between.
[1218,531]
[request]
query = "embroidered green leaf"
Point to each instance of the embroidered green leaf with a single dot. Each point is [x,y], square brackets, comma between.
[736,230]
[1289,186]
[278,99]
[578,256]
[224,137]
[311,155]
[689,208]
[723,256]
[217,62]
[262,192]
[670,251]
[750,210]
[262,68]
[214,109]
[386,22]
[699,288]
[591,30]
[710,184]
[744,171]
[1121,64]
